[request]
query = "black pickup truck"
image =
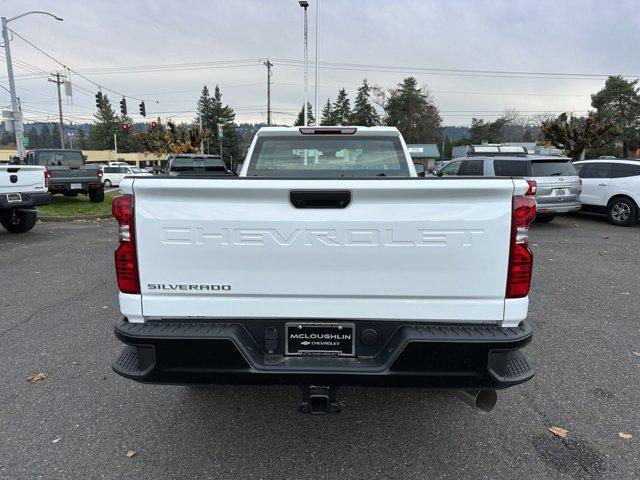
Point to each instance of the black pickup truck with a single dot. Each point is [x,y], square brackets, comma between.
[69,173]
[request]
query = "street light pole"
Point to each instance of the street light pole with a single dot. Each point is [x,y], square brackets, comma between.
[305,4]
[317,59]
[17,117]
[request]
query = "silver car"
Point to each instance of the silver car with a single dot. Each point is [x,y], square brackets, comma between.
[554,180]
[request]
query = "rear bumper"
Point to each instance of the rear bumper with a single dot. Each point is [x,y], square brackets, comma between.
[65,186]
[558,207]
[431,356]
[29,199]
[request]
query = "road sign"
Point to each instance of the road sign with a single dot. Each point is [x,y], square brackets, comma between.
[25,141]
[220,130]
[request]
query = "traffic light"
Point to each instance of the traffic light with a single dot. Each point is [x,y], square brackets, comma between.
[125,128]
[99,100]
[143,110]
[123,106]
[154,125]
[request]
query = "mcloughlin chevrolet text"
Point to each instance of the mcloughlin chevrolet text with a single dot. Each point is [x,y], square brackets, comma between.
[327,261]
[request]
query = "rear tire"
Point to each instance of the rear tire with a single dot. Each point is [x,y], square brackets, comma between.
[18,222]
[545,218]
[96,195]
[107,183]
[622,211]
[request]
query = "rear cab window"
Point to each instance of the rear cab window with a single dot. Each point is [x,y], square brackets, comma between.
[53,158]
[328,156]
[552,168]
[197,164]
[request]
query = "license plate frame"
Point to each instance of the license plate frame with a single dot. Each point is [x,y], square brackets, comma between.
[13,197]
[75,186]
[325,339]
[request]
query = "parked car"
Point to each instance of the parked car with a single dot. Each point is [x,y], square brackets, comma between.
[554,180]
[69,173]
[306,270]
[22,187]
[612,187]
[196,164]
[113,175]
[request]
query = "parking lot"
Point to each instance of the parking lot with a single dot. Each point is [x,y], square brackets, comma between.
[58,302]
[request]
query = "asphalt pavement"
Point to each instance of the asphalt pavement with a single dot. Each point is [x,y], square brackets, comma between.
[58,305]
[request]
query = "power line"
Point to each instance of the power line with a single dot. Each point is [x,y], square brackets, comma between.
[72,70]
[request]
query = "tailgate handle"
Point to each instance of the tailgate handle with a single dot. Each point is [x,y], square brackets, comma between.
[320,198]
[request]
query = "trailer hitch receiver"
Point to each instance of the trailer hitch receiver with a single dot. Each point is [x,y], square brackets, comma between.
[319,400]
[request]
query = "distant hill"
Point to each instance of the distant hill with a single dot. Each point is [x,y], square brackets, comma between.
[455,133]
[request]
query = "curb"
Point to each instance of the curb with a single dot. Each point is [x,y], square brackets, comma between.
[101,216]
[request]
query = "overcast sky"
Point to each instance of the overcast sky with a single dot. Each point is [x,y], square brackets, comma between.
[578,37]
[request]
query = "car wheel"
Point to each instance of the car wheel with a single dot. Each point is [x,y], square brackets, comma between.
[107,183]
[18,222]
[622,211]
[96,195]
[545,218]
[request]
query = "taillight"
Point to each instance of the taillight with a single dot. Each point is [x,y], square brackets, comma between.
[125,255]
[533,187]
[520,257]
[100,172]
[47,176]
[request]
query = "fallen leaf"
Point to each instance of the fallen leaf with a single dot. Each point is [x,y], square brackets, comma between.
[558,432]
[37,378]
[355,448]
[625,436]
[56,440]
[131,453]
[637,354]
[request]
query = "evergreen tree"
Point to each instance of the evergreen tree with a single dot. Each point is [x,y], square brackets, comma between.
[310,118]
[364,113]
[81,139]
[341,109]
[105,125]
[55,137]
[126,141]
[412,111]
[214,112]
[327,113]
[34,138]
[448,150]
[45,136]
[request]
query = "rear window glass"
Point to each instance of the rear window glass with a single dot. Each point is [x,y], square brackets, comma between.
[552,168]
[187,164]
[595,170]
[328,156]
[53,158]
[511,168]
[625,170]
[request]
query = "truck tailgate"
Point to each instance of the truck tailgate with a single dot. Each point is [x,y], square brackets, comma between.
[416,249]
[21,178]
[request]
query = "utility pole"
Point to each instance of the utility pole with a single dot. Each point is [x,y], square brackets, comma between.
[59,82]
[268,64]
[17,118]
[317,60]
[305,4]
[115,144]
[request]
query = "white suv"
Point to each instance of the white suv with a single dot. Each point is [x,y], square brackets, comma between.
[611,187]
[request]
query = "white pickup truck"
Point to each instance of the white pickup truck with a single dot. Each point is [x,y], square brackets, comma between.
[326,262]
[22,187]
